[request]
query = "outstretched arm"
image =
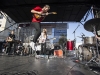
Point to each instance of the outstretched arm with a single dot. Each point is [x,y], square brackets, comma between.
[35,12]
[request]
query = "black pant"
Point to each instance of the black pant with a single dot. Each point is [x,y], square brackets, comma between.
[10,50]
[37,27]
[43,48]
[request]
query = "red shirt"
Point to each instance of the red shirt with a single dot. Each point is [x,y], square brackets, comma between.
[37,8]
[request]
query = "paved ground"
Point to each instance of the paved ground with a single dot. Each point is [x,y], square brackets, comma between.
[53,66]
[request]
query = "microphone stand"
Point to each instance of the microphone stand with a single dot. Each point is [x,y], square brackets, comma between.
[75,39]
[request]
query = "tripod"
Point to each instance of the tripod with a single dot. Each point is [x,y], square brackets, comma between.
[93,59]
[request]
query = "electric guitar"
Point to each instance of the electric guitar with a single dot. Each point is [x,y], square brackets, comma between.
[9,39]
[38,16]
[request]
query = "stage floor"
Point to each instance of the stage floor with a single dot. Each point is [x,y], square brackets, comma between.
[44,66]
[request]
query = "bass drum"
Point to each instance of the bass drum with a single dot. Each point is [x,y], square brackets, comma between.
[85,53]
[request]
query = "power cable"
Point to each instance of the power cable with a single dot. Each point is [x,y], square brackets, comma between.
[71,69]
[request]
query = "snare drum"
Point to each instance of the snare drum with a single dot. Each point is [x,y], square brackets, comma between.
[89,40]
[70,45]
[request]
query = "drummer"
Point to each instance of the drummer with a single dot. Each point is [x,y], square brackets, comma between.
[97,37]
[98,40]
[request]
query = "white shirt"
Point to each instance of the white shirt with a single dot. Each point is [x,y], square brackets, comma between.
[42,38]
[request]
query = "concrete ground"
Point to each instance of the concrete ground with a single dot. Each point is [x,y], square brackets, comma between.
[42,66]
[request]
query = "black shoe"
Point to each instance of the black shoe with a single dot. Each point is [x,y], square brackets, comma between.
[10,54]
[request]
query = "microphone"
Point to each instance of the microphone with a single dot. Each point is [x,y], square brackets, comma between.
[83,34]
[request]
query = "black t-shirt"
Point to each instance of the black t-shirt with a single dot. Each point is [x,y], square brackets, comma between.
[12,36]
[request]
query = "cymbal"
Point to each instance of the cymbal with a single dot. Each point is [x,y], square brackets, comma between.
[91,23]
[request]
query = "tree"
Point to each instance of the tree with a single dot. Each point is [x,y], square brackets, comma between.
[62,40]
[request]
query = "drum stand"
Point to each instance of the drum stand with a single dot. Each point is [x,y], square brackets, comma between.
[81,55]
[93,59]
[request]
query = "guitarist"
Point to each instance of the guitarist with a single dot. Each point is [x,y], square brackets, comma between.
[10,40]
[42,13]
[42,41]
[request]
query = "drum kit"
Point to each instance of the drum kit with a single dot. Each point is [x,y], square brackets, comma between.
[88,51]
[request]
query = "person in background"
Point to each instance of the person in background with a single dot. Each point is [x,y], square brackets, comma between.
[10,39]
[42,41]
